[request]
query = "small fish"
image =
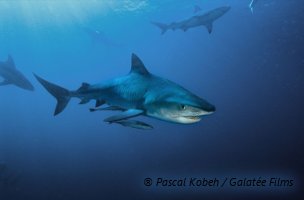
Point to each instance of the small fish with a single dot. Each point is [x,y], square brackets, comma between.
[135,124]
[107,108]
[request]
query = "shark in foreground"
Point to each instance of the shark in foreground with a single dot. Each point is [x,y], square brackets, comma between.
[138,93]
[11,76]
[206,20]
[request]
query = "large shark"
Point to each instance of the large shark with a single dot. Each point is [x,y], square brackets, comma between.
[206,20]
[11,75]
[138,93]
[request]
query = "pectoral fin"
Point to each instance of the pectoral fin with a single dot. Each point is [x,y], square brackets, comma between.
[135,124]
[107,108]
[209,27]
[124,115]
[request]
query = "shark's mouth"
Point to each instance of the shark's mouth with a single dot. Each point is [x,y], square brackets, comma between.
[192,117]
[188,119]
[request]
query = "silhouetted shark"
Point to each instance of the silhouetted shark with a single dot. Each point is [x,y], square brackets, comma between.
[138,93]
[206,20]
[12,76]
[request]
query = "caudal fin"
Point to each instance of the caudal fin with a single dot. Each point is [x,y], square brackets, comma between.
[163,27]
[61,94]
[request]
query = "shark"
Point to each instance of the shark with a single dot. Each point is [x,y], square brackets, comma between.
[12,76]
[252,4]
[139,93]
[205,19]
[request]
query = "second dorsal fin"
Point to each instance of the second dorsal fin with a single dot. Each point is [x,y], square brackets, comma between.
[10,62]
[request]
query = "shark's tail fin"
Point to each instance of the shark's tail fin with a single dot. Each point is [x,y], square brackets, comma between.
[62,95]
[163,27]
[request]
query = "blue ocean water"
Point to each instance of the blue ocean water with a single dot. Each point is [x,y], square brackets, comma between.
[250,67]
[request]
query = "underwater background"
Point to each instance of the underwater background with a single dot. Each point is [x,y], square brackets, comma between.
[250,67]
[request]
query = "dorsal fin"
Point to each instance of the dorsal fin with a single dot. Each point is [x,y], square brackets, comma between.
[197,9]
[137,66]
[10,62]
[84,86]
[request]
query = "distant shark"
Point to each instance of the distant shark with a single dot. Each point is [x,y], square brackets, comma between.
[252,4]
[11,76]
[206,20]
[138,93]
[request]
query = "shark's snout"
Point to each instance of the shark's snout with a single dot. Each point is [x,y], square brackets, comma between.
[210,108]
[205,106]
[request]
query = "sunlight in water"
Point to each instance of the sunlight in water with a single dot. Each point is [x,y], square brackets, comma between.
[63,11]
